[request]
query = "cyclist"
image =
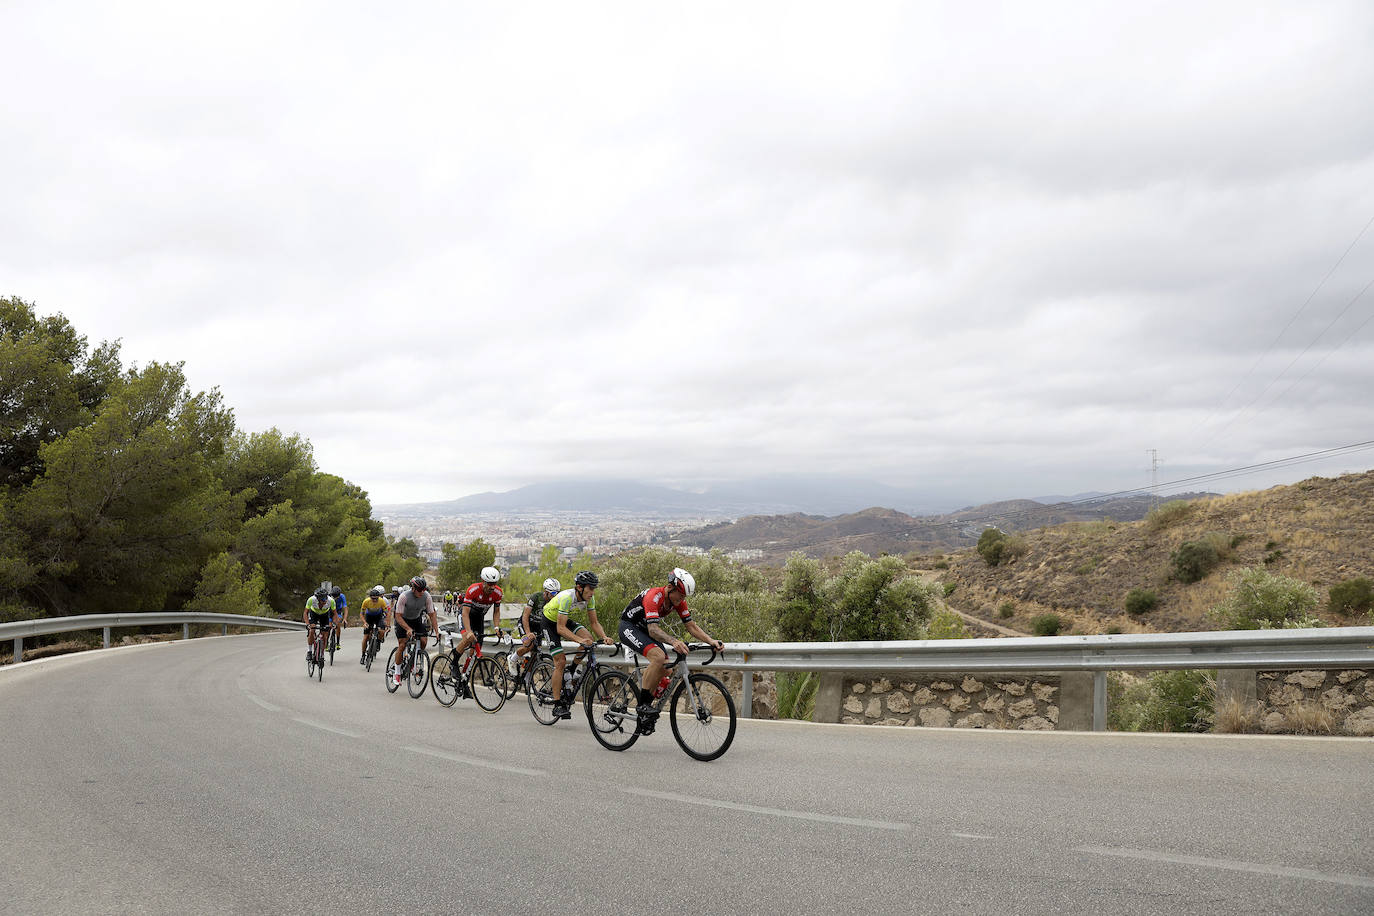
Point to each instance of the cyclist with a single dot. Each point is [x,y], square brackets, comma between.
[413,606]
[480,597]
[375,611]
[639,628]
[319,609]
[448,600]
[530,625]
[340,609]
[558,623]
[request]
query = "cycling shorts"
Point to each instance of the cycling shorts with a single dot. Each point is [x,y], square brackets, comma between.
[638,638]
[478,618]
[551,631]
[373,618]
[420,626]
[321,619]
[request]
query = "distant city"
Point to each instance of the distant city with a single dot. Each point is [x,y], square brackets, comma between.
[520,537]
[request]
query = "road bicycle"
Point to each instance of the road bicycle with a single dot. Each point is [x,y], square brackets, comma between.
[515,682]
[315,660]
[374,645]
[472,674]
[333,642]
[414,668]
[701,710]
[578,677]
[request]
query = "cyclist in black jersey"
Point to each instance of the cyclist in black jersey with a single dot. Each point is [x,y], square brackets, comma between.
[640,629]
[531,624]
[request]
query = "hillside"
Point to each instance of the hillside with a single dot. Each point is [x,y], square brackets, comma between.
[1319,530]
[878,530]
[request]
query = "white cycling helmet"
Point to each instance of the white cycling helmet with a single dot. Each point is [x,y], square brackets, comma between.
[683,579]
[491,574]
[552,585]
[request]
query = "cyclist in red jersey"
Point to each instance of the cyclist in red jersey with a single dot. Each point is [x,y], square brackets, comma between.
[639,628]
[480,597]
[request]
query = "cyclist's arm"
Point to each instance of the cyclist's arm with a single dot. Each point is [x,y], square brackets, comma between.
[663,636]
[695,629]
[596,627]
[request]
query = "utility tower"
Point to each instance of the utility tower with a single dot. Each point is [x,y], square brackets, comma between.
[1155,462]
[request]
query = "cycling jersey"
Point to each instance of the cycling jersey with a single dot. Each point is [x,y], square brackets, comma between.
[414,605]
[373,609]
[565,602]
[313,605]
[484,596]
[341,603]
[650,605]
[537,601]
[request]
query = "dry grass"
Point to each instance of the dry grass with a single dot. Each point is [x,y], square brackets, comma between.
[1236,717]
[1309,718]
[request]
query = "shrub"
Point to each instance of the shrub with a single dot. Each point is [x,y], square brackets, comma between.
[1261,600]
[1014,548]
[1166,701]
[1047,625]
[1193,560]
[1007,610]
[1140,600]
[940,564]
[1167,514]
[950,587]
[1352,596]
[945,624]
[1087,566]
[796,694]
[991,544]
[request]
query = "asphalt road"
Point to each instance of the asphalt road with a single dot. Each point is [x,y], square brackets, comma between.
[212,777]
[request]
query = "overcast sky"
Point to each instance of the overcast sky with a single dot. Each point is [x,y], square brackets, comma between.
[997,250]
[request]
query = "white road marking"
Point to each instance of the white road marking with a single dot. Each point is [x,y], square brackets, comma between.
[473,761]
[263,703]
[1277,871]
[326,728]
[973,836]
[774,812]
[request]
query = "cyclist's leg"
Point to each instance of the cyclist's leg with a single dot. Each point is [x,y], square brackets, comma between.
[638,639]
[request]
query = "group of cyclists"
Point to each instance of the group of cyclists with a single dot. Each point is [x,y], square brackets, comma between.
[553,613]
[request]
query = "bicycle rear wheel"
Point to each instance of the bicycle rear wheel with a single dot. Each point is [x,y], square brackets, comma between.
[611,713]
[419,674]
[487,683]
[540,693]
[388,670]
[310,664]
[512,683]
[703,716]
[443,680]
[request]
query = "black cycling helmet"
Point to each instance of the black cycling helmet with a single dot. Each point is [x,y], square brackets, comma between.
[587,577]
[336,591]
[419,584]
[322,596]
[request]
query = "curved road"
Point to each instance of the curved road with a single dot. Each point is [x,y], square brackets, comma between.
[211,777]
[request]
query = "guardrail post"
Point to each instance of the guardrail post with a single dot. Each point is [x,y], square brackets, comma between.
[185,631]
[747,694]
[829,695]
[226,630]
[107,637]
[1075,701]
[18,650]
[1099,701]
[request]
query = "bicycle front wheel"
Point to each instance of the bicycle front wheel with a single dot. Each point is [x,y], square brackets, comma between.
[512,683]
[540,693]
[610,705]
[443,680]
[419,675]
[487,683]
[388,670]
[703,716]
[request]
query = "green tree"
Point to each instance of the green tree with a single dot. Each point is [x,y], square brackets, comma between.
[876,599]
[225,587]
[991,543]
[1261,600]
[804,611]
[461,566]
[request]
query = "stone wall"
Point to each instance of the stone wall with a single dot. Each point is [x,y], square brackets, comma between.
[991,701]
[1348,696]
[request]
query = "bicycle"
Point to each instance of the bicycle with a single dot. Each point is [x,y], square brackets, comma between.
[515,681]
[374,645]
[333,641]
[700,709]
[316,657]
[414,669]
[578,675]
[473,674]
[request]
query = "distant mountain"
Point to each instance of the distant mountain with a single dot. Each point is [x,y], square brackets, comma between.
[759,496]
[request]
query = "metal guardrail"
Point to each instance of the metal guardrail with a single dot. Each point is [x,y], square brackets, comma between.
[49,625]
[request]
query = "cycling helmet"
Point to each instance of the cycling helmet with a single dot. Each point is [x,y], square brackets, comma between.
[418,584]
[322,596]
[336,591]
[376,591]
[587,577]
[683,580]
[490,574]
[552,585]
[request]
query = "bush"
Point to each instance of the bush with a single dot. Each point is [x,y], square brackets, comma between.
[1014,548]
[949,588]
[1140,600]
[945,624]
[1351,597]
[1166,514]
[1007,610]
[1193,560]
[991,543]
[797,694]
[1261,600]
[1047,625]
[941,564]
[1166,701]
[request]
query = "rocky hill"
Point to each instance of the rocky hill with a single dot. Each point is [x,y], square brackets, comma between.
[1319,530]
[878,530]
